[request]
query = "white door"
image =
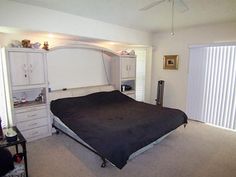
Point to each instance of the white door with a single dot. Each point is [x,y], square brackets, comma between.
[36,68]
[18,68]
[132,67]
[3,104]
[124,68]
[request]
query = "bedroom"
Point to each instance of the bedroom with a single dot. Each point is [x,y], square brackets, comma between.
[208,157]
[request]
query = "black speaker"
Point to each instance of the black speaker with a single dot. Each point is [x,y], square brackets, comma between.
[160,93]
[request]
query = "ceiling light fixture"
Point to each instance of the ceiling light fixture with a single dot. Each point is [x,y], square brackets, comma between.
[172,17]
[181,7]
[50,35]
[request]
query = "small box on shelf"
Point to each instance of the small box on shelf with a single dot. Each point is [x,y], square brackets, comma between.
[127,85]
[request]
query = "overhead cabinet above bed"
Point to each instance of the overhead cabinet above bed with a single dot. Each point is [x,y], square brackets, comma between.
[128,67]
[83,66]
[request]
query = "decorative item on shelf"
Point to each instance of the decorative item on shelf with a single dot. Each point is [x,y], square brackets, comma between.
[46,46]
[23,98]
[124,52]
[36,45]
[40,98]
[170,61]
[16,44]
[26,43]
[122,88]
[11,135]
[1,132]
[132,52]
[125,87]
[18,157]
[16,101]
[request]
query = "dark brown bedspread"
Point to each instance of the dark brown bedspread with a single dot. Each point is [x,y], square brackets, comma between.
[114,124]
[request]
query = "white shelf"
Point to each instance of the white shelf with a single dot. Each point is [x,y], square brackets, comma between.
[129,92]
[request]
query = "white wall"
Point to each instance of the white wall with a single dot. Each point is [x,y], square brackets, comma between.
[27,17]
[77,67]
[175,92]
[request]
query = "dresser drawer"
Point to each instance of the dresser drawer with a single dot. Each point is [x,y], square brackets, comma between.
[32,124]
[30,108]
[35,114]
[36,133]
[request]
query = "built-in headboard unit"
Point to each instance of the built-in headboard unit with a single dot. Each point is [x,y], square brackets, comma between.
[78,66]
[82,91]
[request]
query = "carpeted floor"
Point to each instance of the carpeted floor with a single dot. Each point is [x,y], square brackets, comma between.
[198,150]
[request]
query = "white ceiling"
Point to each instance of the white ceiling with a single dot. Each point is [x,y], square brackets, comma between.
[158,18]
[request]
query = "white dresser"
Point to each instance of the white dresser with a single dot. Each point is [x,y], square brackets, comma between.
[26,86]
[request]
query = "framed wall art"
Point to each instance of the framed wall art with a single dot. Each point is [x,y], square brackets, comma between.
[170,61]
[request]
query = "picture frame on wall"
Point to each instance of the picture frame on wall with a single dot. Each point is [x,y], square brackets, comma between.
[170,61]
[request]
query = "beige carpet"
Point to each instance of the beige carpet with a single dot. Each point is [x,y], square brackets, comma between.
[198,150]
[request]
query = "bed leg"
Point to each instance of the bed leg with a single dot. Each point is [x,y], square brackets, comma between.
[104,163]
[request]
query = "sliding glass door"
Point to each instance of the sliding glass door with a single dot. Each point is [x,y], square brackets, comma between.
[212,85]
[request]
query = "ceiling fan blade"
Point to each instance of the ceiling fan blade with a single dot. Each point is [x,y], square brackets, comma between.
[181,6]
[152,4]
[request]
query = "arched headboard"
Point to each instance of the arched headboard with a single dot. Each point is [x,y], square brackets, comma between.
[74,66]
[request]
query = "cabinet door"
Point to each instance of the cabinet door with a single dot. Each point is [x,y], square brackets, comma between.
[124,68]
[132,67]
[18,68]
[36,68]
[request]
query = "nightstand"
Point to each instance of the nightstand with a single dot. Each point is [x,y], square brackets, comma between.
[20,141]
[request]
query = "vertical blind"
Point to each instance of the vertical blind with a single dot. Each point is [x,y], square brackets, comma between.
[212,85]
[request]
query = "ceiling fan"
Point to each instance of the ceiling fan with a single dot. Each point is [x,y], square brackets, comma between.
[179,5]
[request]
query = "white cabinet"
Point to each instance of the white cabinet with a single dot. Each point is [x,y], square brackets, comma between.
[27,90]
[18,68]
[123,75]
[128,67]
[36,68]
[26,68]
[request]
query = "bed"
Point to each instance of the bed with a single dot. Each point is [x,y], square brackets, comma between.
[113,125]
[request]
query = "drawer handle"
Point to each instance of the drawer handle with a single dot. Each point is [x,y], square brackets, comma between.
[32,115]
[35,133]
[33,109]
[33,124]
